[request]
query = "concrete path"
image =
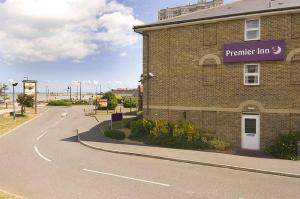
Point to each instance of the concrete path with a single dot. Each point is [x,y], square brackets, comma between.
[7,111]
[43,160]
[96,139]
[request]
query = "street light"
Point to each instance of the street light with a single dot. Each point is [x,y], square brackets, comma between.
[70,88]
[14,85]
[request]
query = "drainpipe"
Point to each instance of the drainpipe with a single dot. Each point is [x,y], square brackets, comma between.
[147,68]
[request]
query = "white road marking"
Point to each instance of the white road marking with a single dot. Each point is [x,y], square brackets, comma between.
[128,178]
[46,110]
[43,157]
[64,114]
[45,132]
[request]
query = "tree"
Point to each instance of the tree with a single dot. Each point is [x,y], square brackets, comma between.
[3,89]
[130,102]
[112,101]
[25,101]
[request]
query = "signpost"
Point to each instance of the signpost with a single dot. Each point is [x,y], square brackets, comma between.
[30,88]
[272,50]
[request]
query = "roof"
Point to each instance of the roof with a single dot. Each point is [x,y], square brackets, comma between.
[242,7]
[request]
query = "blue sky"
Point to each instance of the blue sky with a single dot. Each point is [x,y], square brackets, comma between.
[45,47]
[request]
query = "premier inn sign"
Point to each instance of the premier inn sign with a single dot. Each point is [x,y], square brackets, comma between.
[272,50]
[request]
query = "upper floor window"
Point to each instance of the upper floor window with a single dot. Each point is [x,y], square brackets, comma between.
[252,29]
[251,74]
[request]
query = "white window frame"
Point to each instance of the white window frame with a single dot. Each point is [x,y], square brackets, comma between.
[246,74]
[251,29]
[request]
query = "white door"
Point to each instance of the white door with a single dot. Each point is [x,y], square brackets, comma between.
[251,132]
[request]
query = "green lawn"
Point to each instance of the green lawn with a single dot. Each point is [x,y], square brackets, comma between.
[7,196]
[7,123]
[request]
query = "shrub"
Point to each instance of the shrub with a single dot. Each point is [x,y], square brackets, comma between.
[183,135]
[115,134]
[112,102]
[218,143]
[157,128]
[175,142]
[78,102]
[59,103]
[186,130]
[285,146]
[137,129]
[130,102]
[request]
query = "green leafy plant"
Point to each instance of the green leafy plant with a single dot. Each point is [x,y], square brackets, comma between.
[217,143]
[112,101]
[137,129]
[115,134]
[25,101]
[159,128]
[130,102]
[285,146]
[59,103]
[186,130]
[78,102]
[183,135]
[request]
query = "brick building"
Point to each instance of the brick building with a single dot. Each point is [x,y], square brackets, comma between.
[234,70]
[180,10]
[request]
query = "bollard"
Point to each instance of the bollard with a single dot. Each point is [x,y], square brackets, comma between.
[298,148]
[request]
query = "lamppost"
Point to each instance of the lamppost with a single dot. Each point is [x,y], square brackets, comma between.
[70,88]
[80,91]
[14,85]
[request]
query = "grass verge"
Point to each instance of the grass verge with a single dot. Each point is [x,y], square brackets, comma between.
[7,123]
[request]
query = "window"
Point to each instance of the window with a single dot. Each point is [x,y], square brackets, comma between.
[252,29]
[251,74]
[250,126]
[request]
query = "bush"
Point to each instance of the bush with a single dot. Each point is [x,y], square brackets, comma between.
[59,103]
[183,135]
[115,134]
[157,128]
[186,130]
[111,100]
[137,129]
[285,146]
[175,142]
[130,102]
[218,143]
[78,102]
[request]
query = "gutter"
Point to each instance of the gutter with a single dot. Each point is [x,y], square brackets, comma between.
[140,29]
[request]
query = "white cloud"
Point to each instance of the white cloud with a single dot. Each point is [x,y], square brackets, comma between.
[49,30]
[123,54]
[118,82]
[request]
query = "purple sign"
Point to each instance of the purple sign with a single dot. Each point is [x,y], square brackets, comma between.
[117,117]
[254,51]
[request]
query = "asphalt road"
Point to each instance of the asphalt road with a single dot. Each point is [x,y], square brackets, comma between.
[42,160]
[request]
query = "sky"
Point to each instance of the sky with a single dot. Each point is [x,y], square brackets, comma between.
[60,42]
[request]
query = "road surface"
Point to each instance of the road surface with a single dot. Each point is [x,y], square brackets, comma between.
[42,160]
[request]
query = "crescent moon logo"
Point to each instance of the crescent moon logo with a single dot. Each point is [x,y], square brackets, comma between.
[277,50]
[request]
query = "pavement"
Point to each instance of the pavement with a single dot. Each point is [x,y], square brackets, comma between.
[7,111]
[43,160]
[94,138]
